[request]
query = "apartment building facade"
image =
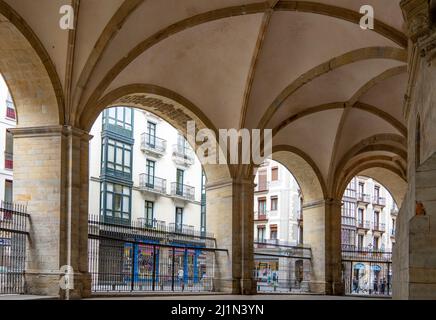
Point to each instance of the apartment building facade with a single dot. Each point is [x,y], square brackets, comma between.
[8,119]
[143,171]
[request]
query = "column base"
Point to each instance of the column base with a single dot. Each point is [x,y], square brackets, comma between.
[327,288]
[45,283]
[235,286]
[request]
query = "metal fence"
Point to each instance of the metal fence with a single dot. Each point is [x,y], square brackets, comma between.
[139,259]
[281,267]
[13,234]
[367,272]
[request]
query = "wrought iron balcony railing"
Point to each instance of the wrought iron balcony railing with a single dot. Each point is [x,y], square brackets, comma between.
[379,201]
[362,197]
[183,155]
[153,144]
[182,228]
[363,224]
[152,224]
[378,227]
[261,216]
[182,191]
[261,187]
[152,184]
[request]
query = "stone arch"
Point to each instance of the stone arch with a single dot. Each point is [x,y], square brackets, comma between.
[167,104]
[304,170]
[385,174]
[29,73]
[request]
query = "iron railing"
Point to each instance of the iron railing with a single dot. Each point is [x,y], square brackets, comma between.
[381,227]
[152,184]
[137,258]
[261,216]
[13,237]
[182,191]
[153,144]
[183,154]
[363,224]
[362,197]
[367,272]
[379,201]
[281,267]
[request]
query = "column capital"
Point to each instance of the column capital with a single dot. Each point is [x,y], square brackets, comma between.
[420,17]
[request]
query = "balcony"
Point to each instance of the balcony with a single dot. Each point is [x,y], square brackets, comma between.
[380,227]
[182,191]
[261,216]
[262,187]
[365,225]
[379,201]
[183,155]
[152,184]
[153,145]
[9,161]
[394,211]
[151,224]
[182,228]
[364,198]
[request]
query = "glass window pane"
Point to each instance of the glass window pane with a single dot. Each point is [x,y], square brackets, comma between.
[118,188]
[126,191]
[111,154]
[119,156]
[117,202]
[127,158]
[126,204]
[128,115]
[109,201]
[120,114]
[110,187]
[112,112]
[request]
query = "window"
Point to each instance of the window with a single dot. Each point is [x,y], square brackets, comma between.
[273,232]
[179,219]
[116,201]
[274,203]
[8,191]
[151,136]
[375,243]
[261,203]
[275,174]
[119,156]
[376,218]
[149,213]
[9,151]
[376,192]
[150,170]
[360,242]
[361,188]
[119,116]
[180,177]
[360,214]
[261,233]
[262,180]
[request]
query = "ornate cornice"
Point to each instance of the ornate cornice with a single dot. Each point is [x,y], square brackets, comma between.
[417,16]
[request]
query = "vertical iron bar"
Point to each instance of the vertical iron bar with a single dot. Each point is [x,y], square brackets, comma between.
[154,267]
[133,267]
[173,269]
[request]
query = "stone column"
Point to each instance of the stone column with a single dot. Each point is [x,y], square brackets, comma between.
[230,219]
[322,232]
[51,176]
[414,261]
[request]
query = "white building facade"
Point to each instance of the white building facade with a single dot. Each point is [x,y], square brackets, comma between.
[277,204]
[7,121]
[143,171]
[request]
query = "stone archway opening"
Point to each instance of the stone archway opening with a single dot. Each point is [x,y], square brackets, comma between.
[370,210]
